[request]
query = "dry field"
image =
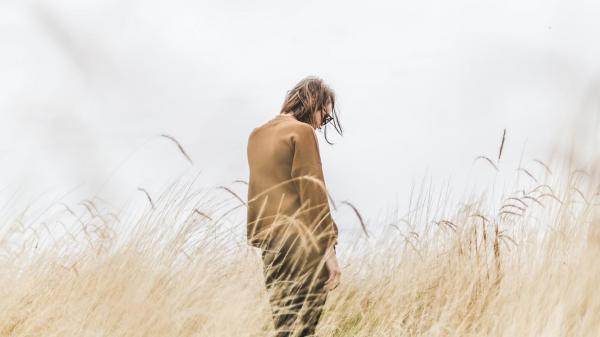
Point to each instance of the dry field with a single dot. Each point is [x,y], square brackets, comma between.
[524,264]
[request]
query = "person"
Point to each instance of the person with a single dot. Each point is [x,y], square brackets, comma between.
[288,214]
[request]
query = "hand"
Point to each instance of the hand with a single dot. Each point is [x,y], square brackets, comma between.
[334,271]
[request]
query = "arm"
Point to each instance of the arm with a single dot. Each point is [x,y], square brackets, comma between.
[308,178]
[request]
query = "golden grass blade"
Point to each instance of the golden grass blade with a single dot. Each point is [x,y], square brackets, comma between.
[233,193]
[487,160]
[360,219]
[147,196]
[178,146]
[528,174]
[502,144]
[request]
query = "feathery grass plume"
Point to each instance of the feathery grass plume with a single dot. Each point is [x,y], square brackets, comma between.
[202,214]
[543,165]
[528,173]
[506,237]
[395,226]
[178,146]
[488,160]
[510,213]
[234,194]
[496,249]
[580,171]
[551,196]
[580,194]
[522,209]
[533,199]
[141,189]
[502,145]
[477,215]
[357,213]
[407,240]
[541,186]
[91,208]
[518,200]
[449,224]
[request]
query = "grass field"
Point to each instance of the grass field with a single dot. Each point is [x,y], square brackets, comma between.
[525,264]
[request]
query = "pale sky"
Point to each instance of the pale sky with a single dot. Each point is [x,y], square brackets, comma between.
[423,88]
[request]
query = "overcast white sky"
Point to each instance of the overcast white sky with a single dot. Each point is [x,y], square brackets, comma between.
[423,88]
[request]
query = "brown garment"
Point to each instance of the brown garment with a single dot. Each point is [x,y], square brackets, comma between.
[286,189]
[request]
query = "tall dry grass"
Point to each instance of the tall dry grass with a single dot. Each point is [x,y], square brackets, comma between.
[526,264]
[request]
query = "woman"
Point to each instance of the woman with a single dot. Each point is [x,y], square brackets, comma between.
[288,212]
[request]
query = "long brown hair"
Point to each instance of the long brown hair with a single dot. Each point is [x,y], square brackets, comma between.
[307,97]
